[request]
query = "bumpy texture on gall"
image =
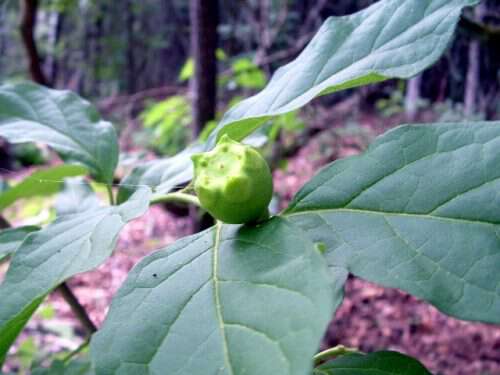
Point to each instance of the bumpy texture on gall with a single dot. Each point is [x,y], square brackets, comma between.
[233,182]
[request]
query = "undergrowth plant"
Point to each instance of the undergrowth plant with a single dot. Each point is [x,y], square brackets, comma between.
[419,211]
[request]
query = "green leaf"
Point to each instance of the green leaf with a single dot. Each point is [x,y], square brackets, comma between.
[220,54]
[11,238]
[168,121]
[229,300]
[161,175]
[72,244]
[41,183]
[390,39]
[187,70]
[378,363]
[64,121]
[167,114]
[77,196]
[419,211]
[27,352]
[247,74]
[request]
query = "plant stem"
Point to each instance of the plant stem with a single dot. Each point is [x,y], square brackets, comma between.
[76,351]
[67,294]
[334,352]
[187,188]
[4,224]
[177,197]
[77,308]
[110,194]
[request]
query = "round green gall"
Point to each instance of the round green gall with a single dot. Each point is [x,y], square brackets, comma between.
[233,182]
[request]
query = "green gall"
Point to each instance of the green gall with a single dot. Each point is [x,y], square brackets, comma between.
[233,182]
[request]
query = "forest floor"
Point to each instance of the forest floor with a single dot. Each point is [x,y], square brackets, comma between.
[370,318]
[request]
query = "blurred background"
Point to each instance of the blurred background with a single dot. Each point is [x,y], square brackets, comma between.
[164,71]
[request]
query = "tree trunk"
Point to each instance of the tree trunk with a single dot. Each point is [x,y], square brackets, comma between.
[3,40]
[203,16]
[27,27]
[204,19]
[472,79]
[55,36]
[130,57]
[473,71]
[97,43]
[264,38]
[412,97]
[83,84]
[5,157]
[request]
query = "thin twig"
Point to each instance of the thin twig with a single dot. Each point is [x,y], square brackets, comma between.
[77,308]
[177,197]
[4,224]
[111,198]
[76,351]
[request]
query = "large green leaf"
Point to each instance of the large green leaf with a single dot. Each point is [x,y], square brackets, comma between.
[11,238]
[390,39]
[40,183]
[72,244]
[379,363]
[63,120]
[418,211]
[230,300]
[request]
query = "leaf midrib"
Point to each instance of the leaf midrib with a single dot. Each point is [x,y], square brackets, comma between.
[217,304]
[461,277]
[390,213]
[302,198]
